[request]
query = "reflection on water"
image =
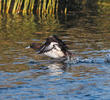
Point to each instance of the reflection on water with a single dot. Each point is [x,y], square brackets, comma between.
[25,75]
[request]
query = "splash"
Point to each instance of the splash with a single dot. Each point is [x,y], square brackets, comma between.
[98,60]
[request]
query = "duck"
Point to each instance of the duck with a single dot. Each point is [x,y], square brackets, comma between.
[53,47]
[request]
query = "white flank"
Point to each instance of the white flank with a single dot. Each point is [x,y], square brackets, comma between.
[55,52]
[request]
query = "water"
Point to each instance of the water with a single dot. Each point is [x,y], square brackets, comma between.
[25,75]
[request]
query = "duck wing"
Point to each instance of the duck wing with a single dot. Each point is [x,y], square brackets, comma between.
[61,44]
[45,48]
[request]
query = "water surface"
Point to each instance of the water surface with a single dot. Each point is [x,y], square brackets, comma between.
[25,75]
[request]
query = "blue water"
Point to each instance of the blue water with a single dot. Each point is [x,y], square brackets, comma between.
[57,81]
